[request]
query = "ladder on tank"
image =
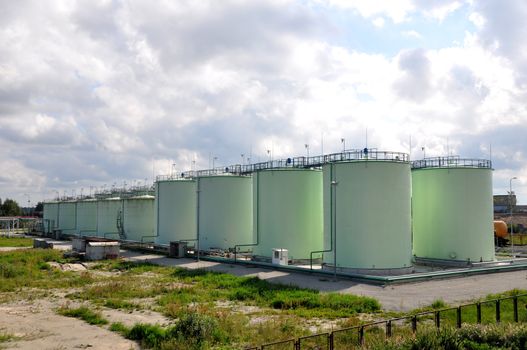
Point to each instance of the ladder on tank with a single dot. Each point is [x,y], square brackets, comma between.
[120,225]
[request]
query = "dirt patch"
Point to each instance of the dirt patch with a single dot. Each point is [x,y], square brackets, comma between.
[37,326]
[68,267]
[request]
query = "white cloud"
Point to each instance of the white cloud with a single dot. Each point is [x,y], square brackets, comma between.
[378,22]
[412,34]
[104,92]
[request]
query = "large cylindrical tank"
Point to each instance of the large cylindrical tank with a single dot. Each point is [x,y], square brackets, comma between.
[50,216]
[176,211]
[68,217]
[288,212]
[138,218]
[87,217]
[225,211]
[108,211]
[367,217]
[453,210]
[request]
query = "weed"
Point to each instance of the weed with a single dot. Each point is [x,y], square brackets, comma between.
[83,313]
[438,304]
[119,327]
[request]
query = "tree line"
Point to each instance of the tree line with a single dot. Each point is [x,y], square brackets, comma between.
[10,207]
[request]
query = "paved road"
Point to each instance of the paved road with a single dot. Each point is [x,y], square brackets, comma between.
[401,297]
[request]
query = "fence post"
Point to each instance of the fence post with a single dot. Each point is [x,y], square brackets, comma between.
[478,312]
[388,329]
[458,318]
[438,318]
[515,304]
[414,323]
[331,341]
[498,311]
[361,335]
[297,344]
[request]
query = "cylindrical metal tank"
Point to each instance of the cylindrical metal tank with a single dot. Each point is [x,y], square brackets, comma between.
[87,217]
[176,211]
[225,211]
[500,229]
[108,212]
[367,218]
[288,212]
[50,216]
[68,217]
[138,218]
[452,209]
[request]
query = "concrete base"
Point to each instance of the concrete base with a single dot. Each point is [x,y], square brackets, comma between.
[78,244]
[41,243]
[371,272]
[102,250]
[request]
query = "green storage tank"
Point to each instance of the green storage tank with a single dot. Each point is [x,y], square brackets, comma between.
[87,217]
[453,209]
[288,212]
[68,217]
[367,216]
[225,211]
[108,211]
[138,218]
[176,210]
[50,216]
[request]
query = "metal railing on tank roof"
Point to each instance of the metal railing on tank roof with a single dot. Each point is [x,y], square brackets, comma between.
[301,162]
[452,162]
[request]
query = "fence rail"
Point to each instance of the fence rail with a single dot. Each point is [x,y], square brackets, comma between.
[487,311]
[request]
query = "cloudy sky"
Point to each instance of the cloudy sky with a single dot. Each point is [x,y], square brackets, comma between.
[101,92]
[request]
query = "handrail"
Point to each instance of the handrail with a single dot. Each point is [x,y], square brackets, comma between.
[452,162]
[301,162]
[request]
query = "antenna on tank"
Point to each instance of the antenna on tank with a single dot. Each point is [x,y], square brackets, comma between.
[410,146]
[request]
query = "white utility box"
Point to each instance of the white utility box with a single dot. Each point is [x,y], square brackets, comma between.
[280,256]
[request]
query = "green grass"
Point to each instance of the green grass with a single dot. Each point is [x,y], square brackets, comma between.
[177,288]
[31,269]
[15,242]
[5,337]
[83,313]
[205,330]
[206,286]
[471,337]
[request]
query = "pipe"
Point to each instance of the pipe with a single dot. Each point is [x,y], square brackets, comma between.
[332,222]
[257,220]
[197,216]
[157,217]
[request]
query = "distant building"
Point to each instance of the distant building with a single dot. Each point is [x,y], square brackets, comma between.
[503,203]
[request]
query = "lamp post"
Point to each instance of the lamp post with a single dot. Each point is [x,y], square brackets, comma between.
[307,149]
[510,203]
[343,141]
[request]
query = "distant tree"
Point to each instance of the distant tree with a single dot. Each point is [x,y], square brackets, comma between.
[39,207]
[11,208]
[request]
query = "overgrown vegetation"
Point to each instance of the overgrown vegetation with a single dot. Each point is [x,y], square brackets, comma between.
[83,313]
[176,288]
[470,337]
[217,310]
[15,241]
[30,268]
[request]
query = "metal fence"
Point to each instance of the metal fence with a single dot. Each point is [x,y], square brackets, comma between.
[505,309]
